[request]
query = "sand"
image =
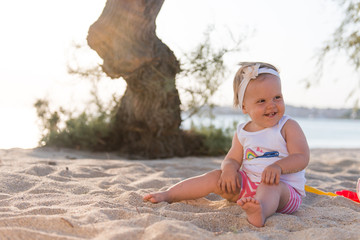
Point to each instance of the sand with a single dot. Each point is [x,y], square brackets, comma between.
[48,193]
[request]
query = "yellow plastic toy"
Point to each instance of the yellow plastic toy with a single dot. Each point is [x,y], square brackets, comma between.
[319,192]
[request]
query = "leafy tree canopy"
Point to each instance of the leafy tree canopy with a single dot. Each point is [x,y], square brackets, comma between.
[346,39]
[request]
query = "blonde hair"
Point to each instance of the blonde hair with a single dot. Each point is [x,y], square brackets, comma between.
[239,77]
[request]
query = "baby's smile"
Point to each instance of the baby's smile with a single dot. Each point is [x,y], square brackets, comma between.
[272,114]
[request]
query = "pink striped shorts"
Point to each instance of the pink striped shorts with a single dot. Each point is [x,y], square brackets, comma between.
[248,189]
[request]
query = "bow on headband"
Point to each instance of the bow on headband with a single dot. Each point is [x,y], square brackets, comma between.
[251,72]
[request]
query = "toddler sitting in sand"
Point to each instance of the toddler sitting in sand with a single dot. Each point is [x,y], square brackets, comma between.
[264,169]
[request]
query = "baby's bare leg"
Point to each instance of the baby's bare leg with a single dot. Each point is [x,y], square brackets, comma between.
[268,199]
[189,189]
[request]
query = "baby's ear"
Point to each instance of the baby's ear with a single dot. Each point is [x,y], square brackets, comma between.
[244,109]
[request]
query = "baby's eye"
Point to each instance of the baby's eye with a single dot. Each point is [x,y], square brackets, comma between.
[261,101]
[278,97]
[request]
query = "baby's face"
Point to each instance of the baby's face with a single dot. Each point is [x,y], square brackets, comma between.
[263,101]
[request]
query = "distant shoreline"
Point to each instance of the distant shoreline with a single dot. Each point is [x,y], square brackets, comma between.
[303,112]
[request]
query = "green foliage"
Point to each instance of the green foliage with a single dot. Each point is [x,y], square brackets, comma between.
[84,131]
[91,128]
[93,132]
[217,141]
[346,38]
[202,72]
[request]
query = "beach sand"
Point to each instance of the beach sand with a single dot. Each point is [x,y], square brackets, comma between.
[49,193]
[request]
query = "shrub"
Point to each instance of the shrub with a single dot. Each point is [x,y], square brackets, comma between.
[84,131]
[217,141]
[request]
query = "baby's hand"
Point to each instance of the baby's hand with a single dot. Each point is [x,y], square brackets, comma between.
[229,182]
[271,174]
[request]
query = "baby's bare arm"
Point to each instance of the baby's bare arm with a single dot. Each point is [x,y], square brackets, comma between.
[299,153]
[229,180]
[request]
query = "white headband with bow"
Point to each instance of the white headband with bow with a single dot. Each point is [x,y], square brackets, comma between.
[251,72]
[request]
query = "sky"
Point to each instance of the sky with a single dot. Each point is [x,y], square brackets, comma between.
[38,36]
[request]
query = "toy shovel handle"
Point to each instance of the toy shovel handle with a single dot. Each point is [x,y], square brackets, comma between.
[319,192]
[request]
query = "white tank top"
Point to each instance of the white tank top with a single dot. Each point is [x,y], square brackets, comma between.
[265,147]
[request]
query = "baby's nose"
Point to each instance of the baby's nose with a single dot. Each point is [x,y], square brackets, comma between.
[271,104]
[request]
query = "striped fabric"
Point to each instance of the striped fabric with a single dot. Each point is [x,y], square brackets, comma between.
[293,203]
[248,189]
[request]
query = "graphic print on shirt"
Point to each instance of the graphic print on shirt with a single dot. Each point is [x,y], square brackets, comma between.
[251,154]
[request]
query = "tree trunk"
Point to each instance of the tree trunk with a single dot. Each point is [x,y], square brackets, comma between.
[148,117]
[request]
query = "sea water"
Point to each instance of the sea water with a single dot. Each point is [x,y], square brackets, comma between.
[19,128]
[319,132]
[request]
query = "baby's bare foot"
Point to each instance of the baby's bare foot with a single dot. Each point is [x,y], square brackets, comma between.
[157,197]
[253,210]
